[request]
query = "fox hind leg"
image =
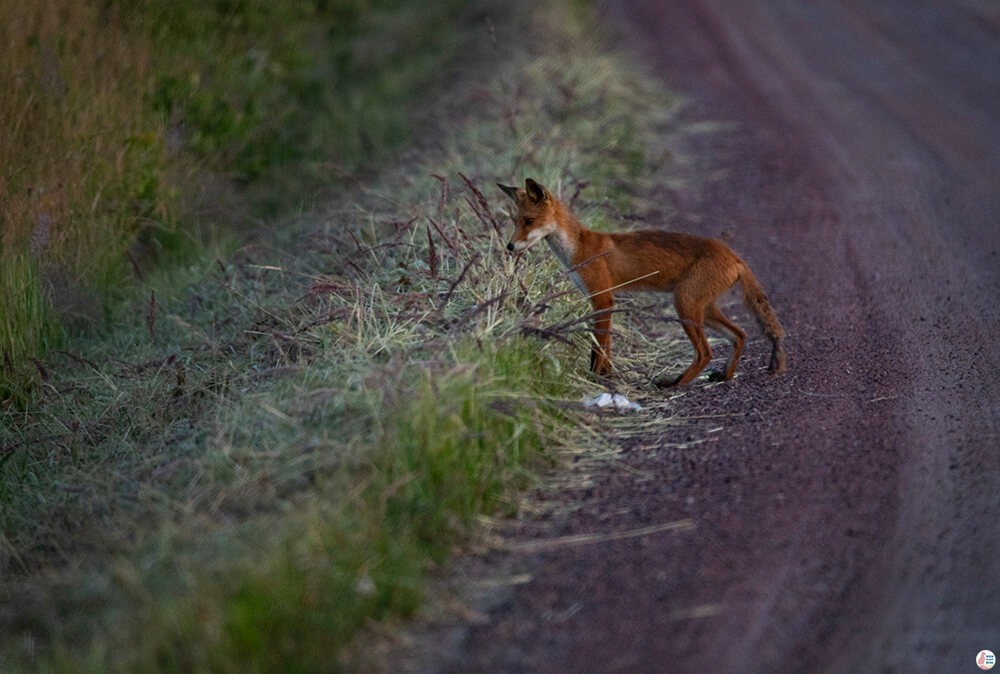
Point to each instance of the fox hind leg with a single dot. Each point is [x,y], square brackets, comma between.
[716,320]
[692,320]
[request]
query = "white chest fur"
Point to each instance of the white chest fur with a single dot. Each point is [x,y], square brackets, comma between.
[561,246]
[563,249]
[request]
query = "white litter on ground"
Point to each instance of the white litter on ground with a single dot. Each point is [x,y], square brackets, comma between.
[618,401]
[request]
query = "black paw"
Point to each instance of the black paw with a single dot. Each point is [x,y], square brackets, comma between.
[666,382]
[717,375]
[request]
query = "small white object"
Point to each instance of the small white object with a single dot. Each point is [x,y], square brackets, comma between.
[618,401]
[365,586]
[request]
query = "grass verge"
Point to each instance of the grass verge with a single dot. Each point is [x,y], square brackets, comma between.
[272,449]
[135,131]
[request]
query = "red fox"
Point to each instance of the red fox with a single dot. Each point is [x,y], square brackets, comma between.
[695,269]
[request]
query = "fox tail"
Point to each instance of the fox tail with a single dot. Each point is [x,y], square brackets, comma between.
[756,301]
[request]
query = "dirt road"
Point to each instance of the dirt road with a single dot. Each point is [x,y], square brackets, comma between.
[847,514]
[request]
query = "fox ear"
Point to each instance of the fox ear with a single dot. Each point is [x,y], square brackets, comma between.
[536,192]
[509,191]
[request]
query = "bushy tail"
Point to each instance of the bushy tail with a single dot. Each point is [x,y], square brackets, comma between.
[756,302]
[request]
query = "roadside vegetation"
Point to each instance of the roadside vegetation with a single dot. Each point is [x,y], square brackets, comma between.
[138,133]
[270,441]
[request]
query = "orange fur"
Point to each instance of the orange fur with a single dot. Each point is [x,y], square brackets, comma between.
[695,269]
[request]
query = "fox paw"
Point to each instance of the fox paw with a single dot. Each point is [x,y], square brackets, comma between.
[717,375]
[666,382]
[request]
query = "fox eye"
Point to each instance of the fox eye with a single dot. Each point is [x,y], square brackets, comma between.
[528,221]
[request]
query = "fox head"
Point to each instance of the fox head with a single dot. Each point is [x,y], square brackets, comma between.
[534,214]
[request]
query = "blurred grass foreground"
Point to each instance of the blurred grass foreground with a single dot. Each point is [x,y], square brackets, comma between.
[136,130]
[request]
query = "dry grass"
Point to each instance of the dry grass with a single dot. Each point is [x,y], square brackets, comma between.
[136,132]
[80,149]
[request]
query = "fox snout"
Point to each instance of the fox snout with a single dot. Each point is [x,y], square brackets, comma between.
[510,245]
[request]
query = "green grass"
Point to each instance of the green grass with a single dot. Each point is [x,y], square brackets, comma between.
[28,321]
[263,451]
[140,130]
[290,587]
